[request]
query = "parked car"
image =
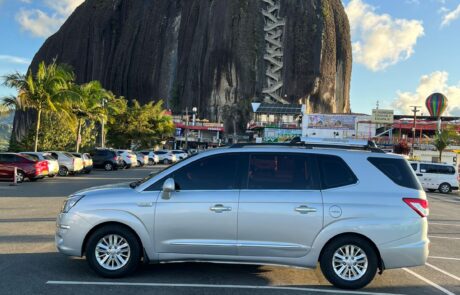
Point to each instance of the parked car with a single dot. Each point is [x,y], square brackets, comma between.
[128,157]
[87,161]
[68,163]
[436,176]
[107,159]
[53,164]
[26,167]
[180,154]
[153,159]
[354,212]
[142,159]
[166,156]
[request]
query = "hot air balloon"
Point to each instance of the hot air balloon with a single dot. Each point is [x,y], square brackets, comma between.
[436,104]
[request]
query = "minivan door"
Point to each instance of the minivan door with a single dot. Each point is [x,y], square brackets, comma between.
[280,210]
[200,217]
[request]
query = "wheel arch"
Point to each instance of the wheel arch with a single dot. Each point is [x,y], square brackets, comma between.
[114,223]
[381,264]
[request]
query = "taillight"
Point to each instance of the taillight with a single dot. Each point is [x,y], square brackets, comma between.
[418,205]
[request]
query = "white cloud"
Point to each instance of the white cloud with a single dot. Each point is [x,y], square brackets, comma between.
[434,82]
[14,59]
[42,24]
[379,39]
[450,16]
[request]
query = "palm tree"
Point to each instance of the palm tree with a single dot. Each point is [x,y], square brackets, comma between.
[443,139]
[87,105]
[40,90]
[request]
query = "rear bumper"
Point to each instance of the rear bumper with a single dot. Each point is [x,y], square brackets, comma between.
[405,253]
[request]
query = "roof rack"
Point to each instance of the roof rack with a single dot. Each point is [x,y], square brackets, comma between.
[310,143]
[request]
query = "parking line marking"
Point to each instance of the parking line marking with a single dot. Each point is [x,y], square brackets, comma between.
[445,258]
[448,224]
[447,238]
[445,291]
[443,271]
[217,286]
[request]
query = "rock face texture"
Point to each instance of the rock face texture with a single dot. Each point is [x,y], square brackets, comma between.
[211,54]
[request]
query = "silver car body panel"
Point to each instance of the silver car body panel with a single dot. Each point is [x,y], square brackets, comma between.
[261,227]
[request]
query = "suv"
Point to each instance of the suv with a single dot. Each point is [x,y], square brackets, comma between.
[436,176]
[128,157]
[353,211]
[26,167]
[68,163]
[165,156]
[107,159]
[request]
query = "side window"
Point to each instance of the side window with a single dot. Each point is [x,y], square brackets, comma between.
[217,172]
[282,171]
[55,155]
[8,158]
[335,172]
[414,166]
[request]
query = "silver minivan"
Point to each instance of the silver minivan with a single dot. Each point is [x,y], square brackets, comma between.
[354,212]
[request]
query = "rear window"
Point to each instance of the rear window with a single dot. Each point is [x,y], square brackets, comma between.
[335,172]
[397,170]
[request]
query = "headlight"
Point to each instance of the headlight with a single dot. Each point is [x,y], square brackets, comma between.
[70,202]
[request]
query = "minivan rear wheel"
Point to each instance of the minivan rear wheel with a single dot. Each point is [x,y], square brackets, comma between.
[63,171]
[113,251]
[349,262]
[108,167]
[445,188]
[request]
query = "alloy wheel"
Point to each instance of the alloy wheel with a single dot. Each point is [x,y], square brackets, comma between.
[350,262]
[112,252]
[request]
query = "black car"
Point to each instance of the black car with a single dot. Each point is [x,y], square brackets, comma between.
[107,159]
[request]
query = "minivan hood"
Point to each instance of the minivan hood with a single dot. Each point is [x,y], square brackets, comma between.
[104,188]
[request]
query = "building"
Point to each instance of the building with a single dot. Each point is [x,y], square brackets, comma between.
[196,134]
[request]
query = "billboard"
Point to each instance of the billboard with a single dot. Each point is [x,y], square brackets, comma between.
[338,122]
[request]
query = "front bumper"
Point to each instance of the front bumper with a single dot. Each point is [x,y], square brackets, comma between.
[71,230]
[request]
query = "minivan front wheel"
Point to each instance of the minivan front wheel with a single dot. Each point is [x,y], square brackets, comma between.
[349,262]
[113,251]
[445,188]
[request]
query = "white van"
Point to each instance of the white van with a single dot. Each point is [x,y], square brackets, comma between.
[436,176]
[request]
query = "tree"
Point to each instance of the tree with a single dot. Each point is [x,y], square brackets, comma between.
[40,91]
[140,125]
[444,139]
[86,105]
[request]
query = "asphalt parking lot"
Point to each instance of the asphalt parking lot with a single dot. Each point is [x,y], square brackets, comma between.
[29,263]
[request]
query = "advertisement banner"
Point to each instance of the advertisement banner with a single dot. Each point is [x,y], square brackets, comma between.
[280,135]
[338,122]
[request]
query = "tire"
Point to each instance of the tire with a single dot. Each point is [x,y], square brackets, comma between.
[331,268]
[119,269]
[108,166]
[125,165]
[139,164]
[166,161]
[63,171]
[52,175]
[151,162]
[20,176]
[445,188]
[88,171]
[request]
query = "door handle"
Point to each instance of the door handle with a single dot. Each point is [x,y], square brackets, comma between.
[219,208]
[419,174]
[305,209]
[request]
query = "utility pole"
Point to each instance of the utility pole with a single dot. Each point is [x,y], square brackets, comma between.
[415,110]
[102,125]
[186,127]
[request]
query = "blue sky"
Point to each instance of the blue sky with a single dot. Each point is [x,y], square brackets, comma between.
[403,50]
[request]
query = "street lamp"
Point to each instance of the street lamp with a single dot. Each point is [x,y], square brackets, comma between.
[194,110]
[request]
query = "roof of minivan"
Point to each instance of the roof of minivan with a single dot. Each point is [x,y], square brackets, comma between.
[295,149]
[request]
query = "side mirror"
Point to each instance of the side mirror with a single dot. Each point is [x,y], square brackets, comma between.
[169,186]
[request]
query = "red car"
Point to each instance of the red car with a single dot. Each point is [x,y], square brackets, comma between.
[26,166]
